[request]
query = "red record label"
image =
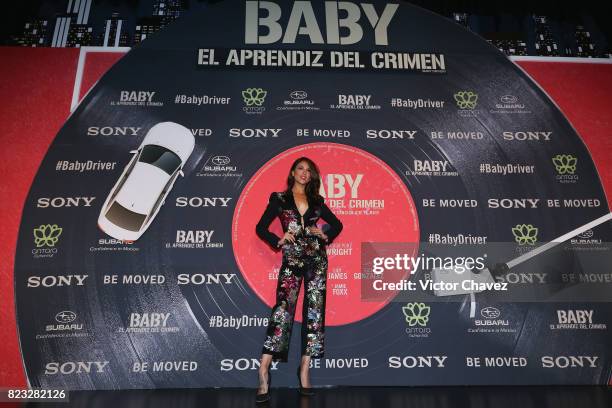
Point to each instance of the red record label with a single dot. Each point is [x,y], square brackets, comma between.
[367,196]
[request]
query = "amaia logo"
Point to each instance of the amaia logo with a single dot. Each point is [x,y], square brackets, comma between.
[417,314]
[47,235]
[565,163]
[254,98]
[525,234]
[466,99]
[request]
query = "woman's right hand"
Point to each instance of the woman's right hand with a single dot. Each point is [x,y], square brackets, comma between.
[288,237]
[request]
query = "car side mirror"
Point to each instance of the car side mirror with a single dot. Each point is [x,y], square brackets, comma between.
[133,151]
[181,173]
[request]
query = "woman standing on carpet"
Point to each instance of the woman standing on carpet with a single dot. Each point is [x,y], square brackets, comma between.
[299,208]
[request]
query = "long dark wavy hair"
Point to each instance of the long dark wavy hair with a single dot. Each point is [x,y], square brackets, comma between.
[312,188]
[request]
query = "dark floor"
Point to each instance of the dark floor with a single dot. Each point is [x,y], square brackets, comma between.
[351,397]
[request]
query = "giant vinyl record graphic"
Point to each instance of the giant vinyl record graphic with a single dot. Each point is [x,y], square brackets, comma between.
[453,139]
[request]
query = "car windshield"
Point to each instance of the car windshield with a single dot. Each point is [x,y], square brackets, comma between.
[124,218]
[160,157]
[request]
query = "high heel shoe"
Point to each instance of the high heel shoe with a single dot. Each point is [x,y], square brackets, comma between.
[306,391]
[265,397]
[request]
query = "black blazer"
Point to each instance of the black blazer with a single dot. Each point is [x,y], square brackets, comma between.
[283,206]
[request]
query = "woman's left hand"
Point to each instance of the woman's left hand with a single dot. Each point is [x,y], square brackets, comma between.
[318,232]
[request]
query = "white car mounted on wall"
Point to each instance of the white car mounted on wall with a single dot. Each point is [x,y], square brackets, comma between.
[136,198]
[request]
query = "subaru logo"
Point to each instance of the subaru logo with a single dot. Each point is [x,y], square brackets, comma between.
[298,95]
[220,160]
[490,313]
[65,317]
[508,99]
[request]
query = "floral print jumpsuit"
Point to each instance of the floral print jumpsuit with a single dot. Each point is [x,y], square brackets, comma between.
[303,259]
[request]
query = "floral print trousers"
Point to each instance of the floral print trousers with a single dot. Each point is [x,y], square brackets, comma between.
[304,260]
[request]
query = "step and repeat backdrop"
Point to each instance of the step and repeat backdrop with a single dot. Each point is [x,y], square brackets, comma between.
[138,266]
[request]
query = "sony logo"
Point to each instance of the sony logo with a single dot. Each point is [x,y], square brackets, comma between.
[390,134]
[113,131]
[254,132]
[545,136]
[243,364]
[417,361]
[569,361]
[513,202]
[522,278]
[197,202]
[50,281]
[76,367]
[343,30]
[58,202]
[202,279]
